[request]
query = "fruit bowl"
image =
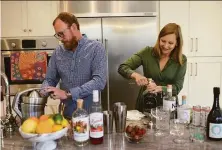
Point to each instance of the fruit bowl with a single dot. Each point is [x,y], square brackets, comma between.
[44,141]
[134,133]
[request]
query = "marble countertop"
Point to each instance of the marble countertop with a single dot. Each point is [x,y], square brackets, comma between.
[116,141]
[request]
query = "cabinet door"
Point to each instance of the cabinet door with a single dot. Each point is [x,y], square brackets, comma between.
[40,17]
[202,79]
[206,27]
[14,19]
[180,15]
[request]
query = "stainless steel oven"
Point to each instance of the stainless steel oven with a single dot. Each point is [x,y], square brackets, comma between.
[11,45]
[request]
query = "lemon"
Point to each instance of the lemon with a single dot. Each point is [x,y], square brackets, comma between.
[29,126]
[56,127]
[65,123]
[51,121]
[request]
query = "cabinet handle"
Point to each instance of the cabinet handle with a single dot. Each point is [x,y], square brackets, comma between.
[24,30]
[191,69]
[191,45]
[196,44]
[196,69]
[30,30]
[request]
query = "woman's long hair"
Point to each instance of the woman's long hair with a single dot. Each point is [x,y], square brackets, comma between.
[171,28]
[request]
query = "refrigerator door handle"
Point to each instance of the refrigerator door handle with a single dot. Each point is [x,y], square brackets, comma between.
[107,67]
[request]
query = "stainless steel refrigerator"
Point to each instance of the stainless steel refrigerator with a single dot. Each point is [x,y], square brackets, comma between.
[122,37]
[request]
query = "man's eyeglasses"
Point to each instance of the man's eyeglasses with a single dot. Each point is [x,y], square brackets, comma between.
[60,35]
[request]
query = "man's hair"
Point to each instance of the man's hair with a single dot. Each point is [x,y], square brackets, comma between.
[67,18]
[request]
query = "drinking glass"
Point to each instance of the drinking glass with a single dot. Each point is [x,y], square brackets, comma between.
[177,128]
[162,116]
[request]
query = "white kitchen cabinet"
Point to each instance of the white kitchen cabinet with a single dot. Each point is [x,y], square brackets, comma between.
[201,23]
[206,28]
[28,18]
[203,75]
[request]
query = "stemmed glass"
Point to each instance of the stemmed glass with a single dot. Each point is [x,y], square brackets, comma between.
[162,116]
[177,128]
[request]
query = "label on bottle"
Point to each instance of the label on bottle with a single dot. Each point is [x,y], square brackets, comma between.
[183,114]
[215,130]
[169,105]
[96,125]
[80,129]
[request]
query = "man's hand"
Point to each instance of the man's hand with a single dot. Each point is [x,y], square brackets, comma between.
[56,93]
[140,80]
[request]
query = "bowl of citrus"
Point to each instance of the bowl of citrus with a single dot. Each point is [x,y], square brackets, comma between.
[43,131]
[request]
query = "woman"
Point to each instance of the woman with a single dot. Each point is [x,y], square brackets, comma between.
[164,63]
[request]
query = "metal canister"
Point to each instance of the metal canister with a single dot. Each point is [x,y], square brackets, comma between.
[204,113]
[196,119]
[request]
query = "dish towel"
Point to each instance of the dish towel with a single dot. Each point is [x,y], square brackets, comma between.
[28,65]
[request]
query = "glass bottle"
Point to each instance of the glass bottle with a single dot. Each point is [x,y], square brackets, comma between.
[169,102]
[184,111]
[149,100]
[96,120]
[80,124]
[214,119]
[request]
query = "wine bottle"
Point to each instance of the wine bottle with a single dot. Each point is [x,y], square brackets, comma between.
[96,120]
[149,100]
[214,119]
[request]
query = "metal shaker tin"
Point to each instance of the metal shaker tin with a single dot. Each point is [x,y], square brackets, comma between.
[196,115]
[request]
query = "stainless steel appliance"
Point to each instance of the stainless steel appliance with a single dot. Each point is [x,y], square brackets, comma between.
[124,27]
[29,103]
[10,45]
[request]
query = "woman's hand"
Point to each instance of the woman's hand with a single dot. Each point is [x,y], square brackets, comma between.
[153,88]
[140,80]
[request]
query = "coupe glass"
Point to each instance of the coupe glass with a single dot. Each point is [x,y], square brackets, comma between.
[162,116]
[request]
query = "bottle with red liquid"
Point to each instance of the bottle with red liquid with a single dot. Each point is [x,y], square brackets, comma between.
[96,120]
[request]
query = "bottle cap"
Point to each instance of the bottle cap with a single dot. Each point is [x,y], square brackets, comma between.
[216,90]
[95,95]
[150,80]
[184,97]
[79,103]
[169,86]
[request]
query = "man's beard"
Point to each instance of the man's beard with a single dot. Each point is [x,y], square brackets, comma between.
[70,45]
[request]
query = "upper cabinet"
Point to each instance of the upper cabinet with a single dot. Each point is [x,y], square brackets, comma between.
[201,23]
[28,18]
[206,28]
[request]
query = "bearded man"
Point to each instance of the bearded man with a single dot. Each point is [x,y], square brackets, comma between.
[78,63]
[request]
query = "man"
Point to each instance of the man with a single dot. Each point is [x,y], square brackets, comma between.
[79,63]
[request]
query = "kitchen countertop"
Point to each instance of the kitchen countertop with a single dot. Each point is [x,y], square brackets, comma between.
[116,141]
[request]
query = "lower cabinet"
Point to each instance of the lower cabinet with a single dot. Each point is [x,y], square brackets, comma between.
[202,75]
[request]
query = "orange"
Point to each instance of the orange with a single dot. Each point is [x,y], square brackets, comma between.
[43,117]
[56,127]
[44,127]
[35,119]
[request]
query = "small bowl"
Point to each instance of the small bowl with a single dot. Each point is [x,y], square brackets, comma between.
[134,133]
[136,139]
